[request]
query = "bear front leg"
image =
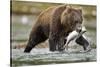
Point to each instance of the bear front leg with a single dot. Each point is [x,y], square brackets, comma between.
[52,43]
[56,42]
[61,43]
[56,37]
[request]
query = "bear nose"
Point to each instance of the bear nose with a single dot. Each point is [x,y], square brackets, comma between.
[80,30]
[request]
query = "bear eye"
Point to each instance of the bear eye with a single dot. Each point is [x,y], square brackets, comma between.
[76,21]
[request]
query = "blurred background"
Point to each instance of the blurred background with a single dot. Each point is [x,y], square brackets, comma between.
[24,15]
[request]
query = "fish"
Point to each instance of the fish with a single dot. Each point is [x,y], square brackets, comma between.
[74,35]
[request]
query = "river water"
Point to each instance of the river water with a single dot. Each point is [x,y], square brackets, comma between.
[44,56]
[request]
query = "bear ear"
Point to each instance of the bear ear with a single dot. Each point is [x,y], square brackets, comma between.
[80,10]
[68,8]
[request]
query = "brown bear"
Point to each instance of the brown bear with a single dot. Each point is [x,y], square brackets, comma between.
[55,23]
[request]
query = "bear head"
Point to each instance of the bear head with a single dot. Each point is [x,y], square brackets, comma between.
[72,19]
